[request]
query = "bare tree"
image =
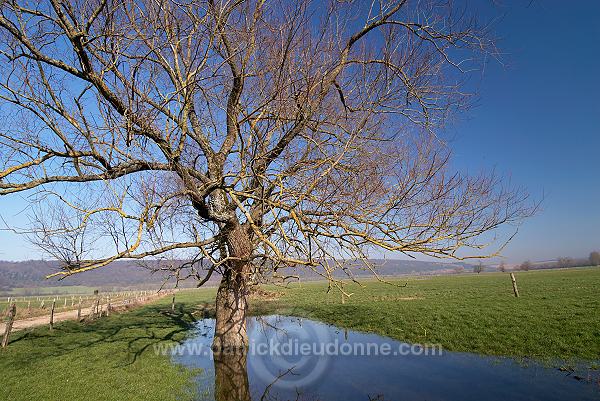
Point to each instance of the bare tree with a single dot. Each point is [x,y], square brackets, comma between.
[459,269]
[525,266]
[594,258]
[502,267]
[478,268]
[249,135]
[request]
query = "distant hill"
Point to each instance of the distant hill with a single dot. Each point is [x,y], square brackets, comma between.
[32,274]
[128,274]
[389,268]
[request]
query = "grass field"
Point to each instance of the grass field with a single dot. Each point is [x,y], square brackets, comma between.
[109,359]
[556,317]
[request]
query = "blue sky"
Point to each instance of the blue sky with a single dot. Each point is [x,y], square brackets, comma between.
[537,120]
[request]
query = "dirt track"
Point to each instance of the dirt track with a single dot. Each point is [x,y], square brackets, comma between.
[62,316]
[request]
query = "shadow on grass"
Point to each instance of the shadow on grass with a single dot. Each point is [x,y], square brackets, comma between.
[125,336]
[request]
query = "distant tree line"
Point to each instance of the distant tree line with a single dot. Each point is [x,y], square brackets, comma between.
[525,266]
[561,262]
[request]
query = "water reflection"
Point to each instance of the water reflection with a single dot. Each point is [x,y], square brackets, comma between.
[276,368]
[231,376]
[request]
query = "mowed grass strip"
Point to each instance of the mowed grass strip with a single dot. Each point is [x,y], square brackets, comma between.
[556,317]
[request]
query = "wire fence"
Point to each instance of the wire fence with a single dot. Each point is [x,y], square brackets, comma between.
[29,309]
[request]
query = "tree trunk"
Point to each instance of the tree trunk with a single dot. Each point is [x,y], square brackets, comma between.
[231,302]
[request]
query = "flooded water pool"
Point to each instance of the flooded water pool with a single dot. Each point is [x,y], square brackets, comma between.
[298,359]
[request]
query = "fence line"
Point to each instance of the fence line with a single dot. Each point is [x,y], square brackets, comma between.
[97,308]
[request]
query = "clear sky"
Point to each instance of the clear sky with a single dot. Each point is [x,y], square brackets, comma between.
[537,120]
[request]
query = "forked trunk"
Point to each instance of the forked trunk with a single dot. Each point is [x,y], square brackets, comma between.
[231,302]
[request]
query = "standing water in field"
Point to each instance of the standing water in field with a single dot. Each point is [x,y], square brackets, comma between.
[298,359]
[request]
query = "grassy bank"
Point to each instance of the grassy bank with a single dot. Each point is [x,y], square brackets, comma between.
[110,359]
[114,359]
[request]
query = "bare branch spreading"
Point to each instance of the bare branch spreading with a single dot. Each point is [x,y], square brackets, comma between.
[253,135]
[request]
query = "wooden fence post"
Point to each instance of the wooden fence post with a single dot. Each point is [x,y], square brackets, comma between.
[29,306]
[52,314]
[514,284]
[96,308]
[9,324]
[173,304]
[79,310]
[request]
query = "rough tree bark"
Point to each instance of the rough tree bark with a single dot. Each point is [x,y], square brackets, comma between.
[232,302]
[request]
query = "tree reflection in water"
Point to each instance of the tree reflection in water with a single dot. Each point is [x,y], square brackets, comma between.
[231,376]
[232,383]
[273,375]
